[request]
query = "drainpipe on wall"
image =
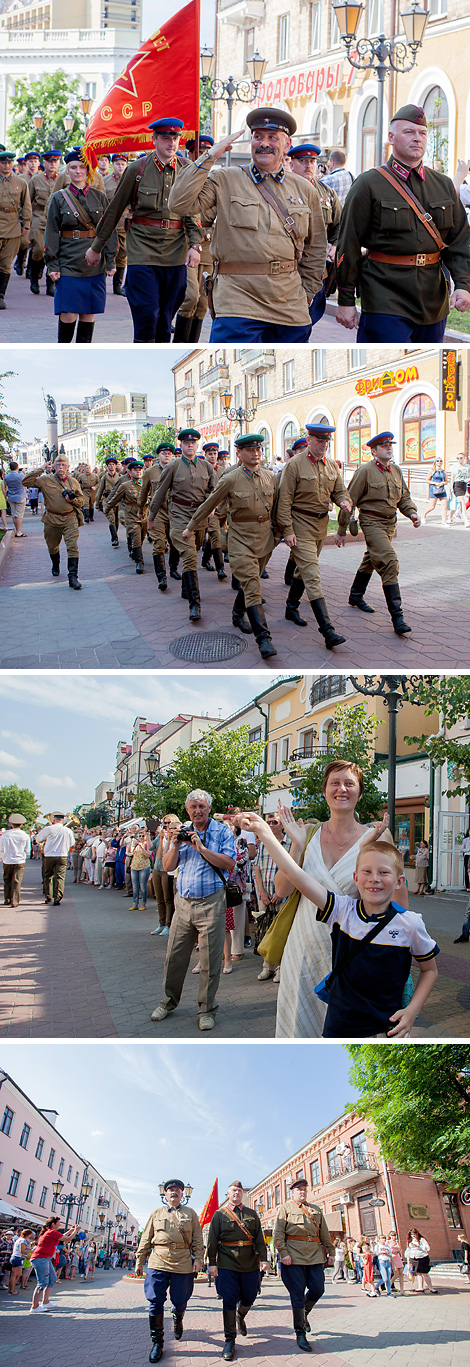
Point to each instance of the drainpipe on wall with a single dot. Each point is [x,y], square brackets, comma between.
[388,1189]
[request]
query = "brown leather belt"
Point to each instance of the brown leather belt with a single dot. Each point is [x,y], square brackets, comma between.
[239,1243]
[308,512]
[171,224]
[303,1238]
[181,503]
[256,267]
[421,259]
[250,517]
[384,517]
[78,232]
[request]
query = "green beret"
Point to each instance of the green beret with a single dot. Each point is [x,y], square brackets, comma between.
[165,446]
[248,439]
[188,434]
[7,156]
[411,113]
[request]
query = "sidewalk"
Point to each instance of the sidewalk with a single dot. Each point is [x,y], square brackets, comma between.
[91,969]
[123,621]
[105,1322]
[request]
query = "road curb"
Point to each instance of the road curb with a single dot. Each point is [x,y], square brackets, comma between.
[5,547]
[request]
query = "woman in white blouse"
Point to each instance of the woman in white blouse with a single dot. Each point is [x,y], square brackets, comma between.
[418,1254]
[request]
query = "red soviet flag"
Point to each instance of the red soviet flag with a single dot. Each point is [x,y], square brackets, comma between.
[212,1204]
[161,79]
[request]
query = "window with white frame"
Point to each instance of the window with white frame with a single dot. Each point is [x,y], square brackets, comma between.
[238,396]
[318,365]
[335,32]
[273,758]
[288,376]
[249,46]
[437,9]
[285,750]
[357,357]
[314,27]
[375,17]
[25,1136]
[283,36]
[7,1121]
[262,386]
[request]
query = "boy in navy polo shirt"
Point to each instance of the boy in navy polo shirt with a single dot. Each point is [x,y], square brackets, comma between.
[365,995]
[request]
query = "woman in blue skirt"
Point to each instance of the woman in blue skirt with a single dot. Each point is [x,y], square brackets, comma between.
[72,217]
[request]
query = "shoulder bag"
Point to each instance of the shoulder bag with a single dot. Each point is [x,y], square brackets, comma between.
[273,944]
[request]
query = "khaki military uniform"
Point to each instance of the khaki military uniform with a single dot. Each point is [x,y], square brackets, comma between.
[247,230]
[170,1240]
[185,484]
[88,484]
[111,183]
[195,302]
[378,492]
[60,518]
[105,488]
[42,187]
[160,534]
[305,490]
[15,215]
[127,493]
[148,244]
[301,1233]
[331,209]
[251,503]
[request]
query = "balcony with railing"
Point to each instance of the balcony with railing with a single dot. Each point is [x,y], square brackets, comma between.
[351,1169]
[257,360]
[186,392]
[214,379]
[300,759]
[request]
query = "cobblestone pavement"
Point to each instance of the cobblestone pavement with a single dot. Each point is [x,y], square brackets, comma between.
[92,969]
[105,1322]
[121,621]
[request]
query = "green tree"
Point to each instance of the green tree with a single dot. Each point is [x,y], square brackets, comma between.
[97,816]
[353,739]
[14,799]
[449,697]
[224,763]
[111,445]
[9,429]
[51,96]
[418,1097]
[152,437]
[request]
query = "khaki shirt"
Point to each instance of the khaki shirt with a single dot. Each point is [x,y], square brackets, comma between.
[15,205]
[186,484]
[68,254]
[57,508]
[380,492]
[41,188]
[170,1238]
[306,487]
[128,494]
[307,1221]
[87,482]
[150,478]
[111,183]
[106,484]
[230,1247]
[145,243]
[250,500]
[247,229]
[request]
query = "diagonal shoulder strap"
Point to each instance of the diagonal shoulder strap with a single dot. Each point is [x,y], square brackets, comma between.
[286,219]
[360,944]
[414,204]
[79,211]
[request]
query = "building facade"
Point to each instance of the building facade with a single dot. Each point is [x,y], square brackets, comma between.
[160,741]
[83,423]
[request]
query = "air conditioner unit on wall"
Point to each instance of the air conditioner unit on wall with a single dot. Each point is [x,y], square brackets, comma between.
[347,1199]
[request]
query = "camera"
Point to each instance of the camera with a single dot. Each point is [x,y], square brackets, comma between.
[185,833]
[68,493]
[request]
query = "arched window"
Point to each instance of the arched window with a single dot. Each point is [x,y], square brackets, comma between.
[316,126]
[358,434]
[329,736]
[437,113]
[419,429]
[369,130]
[267,444]
[288,436]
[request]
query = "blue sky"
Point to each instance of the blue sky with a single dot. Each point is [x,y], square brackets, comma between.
[154,13]
[143,1112]
[37,709]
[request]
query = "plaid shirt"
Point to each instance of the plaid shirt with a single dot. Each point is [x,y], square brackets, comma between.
[196,877]
[340,181]
[267,867]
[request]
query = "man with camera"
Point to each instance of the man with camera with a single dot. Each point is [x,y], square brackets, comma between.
[63,517]
[202,853]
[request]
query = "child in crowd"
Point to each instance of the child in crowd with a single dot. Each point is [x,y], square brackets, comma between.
[365,988]
[368,1284]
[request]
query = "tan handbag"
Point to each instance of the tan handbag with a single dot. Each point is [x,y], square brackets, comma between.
[273,944]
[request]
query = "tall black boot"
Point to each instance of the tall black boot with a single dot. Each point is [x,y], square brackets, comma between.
[308,1307]
[238,610]
[194,599]
[129,546]
[219,563]
[196,325]
[184,588]
[207,555]
[20,260]
[289,571]
[260,630]
[299,1326]
[65,331]
[118,278]
[85,331]
[35,276]
[320,610]
[139,560]
[182,328]
[156,1335]
[230,1330]
[50,286]
[357,591]
[393,601]
[86,515]
[173,561]
[72,566]
[4,278]
[178,1324]
[28,264]
[292,605]
[242,1310]
[113,534]
[55,564]
[160,571]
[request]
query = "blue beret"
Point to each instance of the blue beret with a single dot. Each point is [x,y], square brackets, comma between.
[75,154]
[35,153]
[299,444]
[119,154]
[166,126]
[204,141]
[381,436]
[54,152]
[223,452]
[209,444]
[319,429]
[112,458]
[304,149]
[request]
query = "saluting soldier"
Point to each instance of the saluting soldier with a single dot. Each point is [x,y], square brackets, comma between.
[159,533]
[127,492]
[15,219]
[119,162]
[378,489]
[308,482]
[63,517]
[185,484]
[304,161]
[106,485]
[159,246]
[41,188]
[302,1238]
[268,240]
[192,311]
[212,545]
[249,492]
[172,1242]
[411,220]
[236,1254]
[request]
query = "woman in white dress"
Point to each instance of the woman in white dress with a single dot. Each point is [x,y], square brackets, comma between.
[331,857]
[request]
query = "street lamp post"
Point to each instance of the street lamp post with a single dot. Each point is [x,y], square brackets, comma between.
[395,690]
[70,1201]
[243,91]
[239,415]
[374,53]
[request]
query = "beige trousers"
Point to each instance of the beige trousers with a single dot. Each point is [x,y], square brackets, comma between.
[202,917]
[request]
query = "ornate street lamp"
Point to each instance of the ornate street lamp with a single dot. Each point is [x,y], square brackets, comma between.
[152,765]
[395,690]
[239,415]
[184,1199]
[85,106]
[71,1200]
[243,91]
[375,53]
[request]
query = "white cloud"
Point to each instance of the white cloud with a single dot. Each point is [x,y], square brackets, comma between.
[116,701]
[50,781]
[98,1133]
[5,758]
[28,744]
[8,775]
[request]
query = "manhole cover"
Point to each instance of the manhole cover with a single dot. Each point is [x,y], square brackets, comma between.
[207,647]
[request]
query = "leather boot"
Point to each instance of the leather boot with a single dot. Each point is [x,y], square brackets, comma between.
[289,571]
[160,571]
[393,601]
[178,1324]
[260,630]
[65,331]
[156,1335]
[292,613]
[182,328]
[219,563]
[86,515]
[92,512]
[20,260]
[139,560]
[207,555]
[242,1310]
[320,610]
[85,331]
[357,591]
[308,1307]
[196,325]
[184,589]
[72,566]
[34,276]
[55,564]
[118,278]
[173,561]
[238,610]
[299,1326]
[193,595]
[4,278]
[113,534]
[28,264]
[50,287]
[230,1330]
[129,546]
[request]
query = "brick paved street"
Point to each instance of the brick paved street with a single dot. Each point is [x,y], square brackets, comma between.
[92,969]
[121,621]
[105,1322]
